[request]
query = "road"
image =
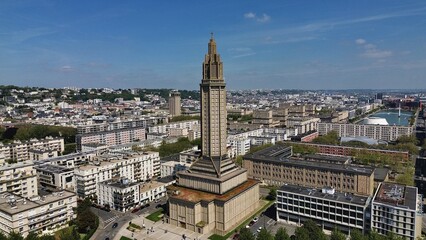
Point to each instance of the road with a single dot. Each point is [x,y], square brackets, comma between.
[107,220]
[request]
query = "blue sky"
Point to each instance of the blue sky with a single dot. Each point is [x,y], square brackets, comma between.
[263,44]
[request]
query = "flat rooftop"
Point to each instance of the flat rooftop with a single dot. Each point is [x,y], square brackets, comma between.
[360,200]
[397,195]
[328,158]
[278,154]
[16,165]
[53,168]
[24,204]
[192,195]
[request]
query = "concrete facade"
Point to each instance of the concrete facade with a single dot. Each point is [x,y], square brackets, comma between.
[174,103]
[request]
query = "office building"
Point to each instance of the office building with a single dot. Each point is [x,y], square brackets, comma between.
[397,209]
[275,166]
[325,206]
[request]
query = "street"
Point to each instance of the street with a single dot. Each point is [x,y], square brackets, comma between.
[107,220]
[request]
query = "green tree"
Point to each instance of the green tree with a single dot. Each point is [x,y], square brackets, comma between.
[46,237]
[2,236]
[375,236]
[246,234]
[272,195]
[15,236]
[331,138]
[302,234]
[239,160]
[69,234]
[264,235]
[314,231]
[32,236]
[258,148]
[337,235]
[282,234]
[357,235]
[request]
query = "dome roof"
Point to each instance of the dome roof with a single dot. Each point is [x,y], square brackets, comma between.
[375,121]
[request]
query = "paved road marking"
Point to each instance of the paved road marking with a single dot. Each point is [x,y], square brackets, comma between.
[109,221]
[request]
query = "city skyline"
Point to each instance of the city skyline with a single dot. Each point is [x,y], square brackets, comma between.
[303,45]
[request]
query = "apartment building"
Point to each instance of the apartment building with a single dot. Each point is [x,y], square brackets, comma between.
[170,168]
[378,132]
[275,166]
[43,214]
[241,146]
[303,125]
[123,195]
[140,166]
[19,179]
[70,160]
[55,176]
[397,209]
[165,128]
[20,150]
[110,138]
[103,126]
[263,117]
[325,206]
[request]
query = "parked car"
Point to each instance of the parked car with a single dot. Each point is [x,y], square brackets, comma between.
[259,229]
[114,225]
[255,219]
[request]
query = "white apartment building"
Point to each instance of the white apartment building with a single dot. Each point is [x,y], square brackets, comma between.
[378,132]
[55,176]
[19,178]
[70,160]
[140,166]
[20,150]
[123,195]
[110,138]
[303,125]
[42,214]
[143,122]
[170,168]
[398,209]
[165,128]
[328,208]
[241,146]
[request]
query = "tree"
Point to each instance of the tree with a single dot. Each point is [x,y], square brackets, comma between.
[337,235]
[375,236]
[272,195]
[246,234]
[32,236]
[314,231]
[301,234]
[69,234]
[357,235]
[264,235]
[15,236]
[282,234]
[239,160]
[2,236]
[46,237]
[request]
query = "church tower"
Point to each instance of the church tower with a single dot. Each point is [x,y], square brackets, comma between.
[213,195]
[213,106]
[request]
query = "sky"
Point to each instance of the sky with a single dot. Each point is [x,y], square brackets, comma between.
[273,44]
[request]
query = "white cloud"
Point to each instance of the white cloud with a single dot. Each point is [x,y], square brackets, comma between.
[66,68]
[262,19]
[249,15]
[371,51]
[265,18]
[360,41]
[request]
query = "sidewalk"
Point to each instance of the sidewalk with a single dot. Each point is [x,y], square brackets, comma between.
[160,231]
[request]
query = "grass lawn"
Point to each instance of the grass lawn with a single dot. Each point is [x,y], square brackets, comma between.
[218,237]
[125,238]
[156,216]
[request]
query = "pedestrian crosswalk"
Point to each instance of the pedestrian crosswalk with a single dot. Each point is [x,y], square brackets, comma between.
[109,220]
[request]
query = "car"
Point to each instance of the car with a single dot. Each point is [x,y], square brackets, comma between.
[236,236]
[259,229]
[107,238]
[114,225]
[135,210]
[255,219]
[247,226]
[157,200]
